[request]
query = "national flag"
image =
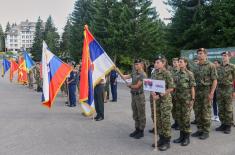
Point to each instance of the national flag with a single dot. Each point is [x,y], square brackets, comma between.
[95,65]
[5,66]
[22,71]
[14,67]
[28,61]
[54,73]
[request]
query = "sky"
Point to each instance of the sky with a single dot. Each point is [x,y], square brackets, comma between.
[20,10]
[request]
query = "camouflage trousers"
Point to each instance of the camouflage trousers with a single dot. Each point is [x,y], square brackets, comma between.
[183,113]
[138,109]
[202,109]
[175,109]
[163,110]
[225,106]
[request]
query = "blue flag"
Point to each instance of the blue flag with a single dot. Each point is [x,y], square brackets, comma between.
[28,61]
[5,66]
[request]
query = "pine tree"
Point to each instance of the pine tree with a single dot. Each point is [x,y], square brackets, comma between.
[51,35]
[2,39]
[37,43]
[83,14]
[8,27]
[66,40]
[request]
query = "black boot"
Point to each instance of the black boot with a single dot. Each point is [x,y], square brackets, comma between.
[194,122]
[197,134]
[204,136]
[159,142]
[151,131]
[220,128]
[135,132]
[165,145]
[173,125]
[185,140]
[180,139]
[227,129]
[139,135]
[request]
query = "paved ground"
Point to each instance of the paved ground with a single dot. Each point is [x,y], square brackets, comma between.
[27,128]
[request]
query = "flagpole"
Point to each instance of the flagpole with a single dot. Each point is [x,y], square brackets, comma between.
[120,73]
[155,125]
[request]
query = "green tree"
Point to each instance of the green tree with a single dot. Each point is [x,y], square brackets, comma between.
[2,39]
[83,14]
[66,40]
[8,27]
[37,43]
[51,35]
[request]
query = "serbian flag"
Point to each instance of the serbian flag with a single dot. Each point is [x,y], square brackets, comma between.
[95,65]
[54,73]
[28,61]
[13,69]
[22,71]
[5,66]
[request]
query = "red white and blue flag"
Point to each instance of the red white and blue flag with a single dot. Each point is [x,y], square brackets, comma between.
[95,65]
[54,73]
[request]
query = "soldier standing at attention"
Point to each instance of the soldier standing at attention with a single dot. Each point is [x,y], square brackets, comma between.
[163,104]
[206,80]
[226,76]
[137,98]
[185,96]
[37,77]
[175,108]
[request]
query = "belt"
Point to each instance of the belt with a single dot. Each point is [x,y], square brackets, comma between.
[137,93]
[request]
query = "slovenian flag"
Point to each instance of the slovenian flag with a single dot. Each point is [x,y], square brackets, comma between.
[54,73]
[5,66]
[28,61]
[95,65]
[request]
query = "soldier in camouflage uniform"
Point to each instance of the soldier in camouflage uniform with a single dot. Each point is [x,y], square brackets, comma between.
[226,76]
[30,77]
[175,108]
[184,97]
[137,98]
[206,80]
[37,77]
[163,104]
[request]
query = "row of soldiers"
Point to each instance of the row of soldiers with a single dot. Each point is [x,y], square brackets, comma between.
[186,89]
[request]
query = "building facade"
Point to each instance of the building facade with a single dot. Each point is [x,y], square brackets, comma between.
[20,36]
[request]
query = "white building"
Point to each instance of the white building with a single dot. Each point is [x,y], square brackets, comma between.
[20,36]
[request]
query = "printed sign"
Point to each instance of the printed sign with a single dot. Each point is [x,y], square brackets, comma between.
[154,85]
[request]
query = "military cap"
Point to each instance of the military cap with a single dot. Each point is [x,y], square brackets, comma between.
[138,61]
[226,52]
[160,57]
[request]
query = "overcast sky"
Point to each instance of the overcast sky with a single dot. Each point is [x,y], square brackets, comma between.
[20,10]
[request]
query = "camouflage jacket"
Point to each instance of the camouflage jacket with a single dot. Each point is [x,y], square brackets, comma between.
[184,82]
[226,74]
[205,74]
[138,77]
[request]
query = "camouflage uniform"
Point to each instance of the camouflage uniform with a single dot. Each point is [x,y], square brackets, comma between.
[138,101]
[30,77]
[37,78]
[164,104]
[226,76]
[204,75]
[184,83]
[175,108]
